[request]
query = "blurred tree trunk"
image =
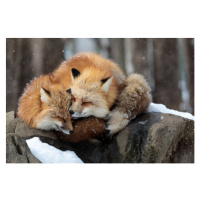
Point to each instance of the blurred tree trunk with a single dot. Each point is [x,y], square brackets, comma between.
[53,54]
[37,48]
[128,51]
[28,58]
[18,70]
[190,75]
[142,58]
[117,51]
[166,73]
[11,67]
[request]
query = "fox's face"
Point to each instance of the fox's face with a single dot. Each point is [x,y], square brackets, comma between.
[89,98]
[56,115]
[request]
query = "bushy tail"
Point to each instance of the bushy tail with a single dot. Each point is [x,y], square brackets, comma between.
[133,100]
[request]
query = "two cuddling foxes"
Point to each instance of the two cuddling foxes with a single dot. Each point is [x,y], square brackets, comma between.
[87,85]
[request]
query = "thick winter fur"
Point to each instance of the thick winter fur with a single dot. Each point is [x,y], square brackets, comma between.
[81,61]
[85,129]
[45,105]
[133,100]
[94,87]
[97,84]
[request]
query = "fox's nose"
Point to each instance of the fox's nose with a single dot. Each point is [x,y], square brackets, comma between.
[71,132]
[71,112]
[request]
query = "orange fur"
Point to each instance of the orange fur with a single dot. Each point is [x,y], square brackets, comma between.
[89,93]
[84,129]
[100,68]
[33,110]
[87,89]
[90,98]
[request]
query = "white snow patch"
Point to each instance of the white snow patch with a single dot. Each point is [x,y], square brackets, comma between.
[142,122]
[49,154]
[162,117]
[153,107]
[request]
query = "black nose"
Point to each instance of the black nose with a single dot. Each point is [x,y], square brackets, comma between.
[71,112]
[71,132]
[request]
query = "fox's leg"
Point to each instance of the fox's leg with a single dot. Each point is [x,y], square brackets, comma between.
[133,100]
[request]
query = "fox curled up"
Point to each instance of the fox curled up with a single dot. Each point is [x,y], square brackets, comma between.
[85,86]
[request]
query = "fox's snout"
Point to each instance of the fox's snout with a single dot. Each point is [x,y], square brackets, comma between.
[76,110]
[100,112]
[71,112]
[68,125]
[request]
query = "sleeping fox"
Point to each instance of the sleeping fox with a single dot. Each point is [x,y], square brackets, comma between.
[97,84]
[44,105]
[94,91]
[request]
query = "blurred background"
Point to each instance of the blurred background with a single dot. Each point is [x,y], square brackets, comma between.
[167,64]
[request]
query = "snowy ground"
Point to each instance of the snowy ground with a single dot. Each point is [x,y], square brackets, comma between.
[48,154]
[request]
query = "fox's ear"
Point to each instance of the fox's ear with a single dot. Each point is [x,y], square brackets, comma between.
[69,91]
[74,73]
[44,95]
[106,83]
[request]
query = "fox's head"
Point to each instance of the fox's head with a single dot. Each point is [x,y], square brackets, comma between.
[57,101]
[90,93]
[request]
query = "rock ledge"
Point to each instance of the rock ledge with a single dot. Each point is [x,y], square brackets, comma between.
[150,138]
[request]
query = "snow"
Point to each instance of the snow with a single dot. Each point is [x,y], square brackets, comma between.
[49,154]
[162,117]
[153,107]
[142,122]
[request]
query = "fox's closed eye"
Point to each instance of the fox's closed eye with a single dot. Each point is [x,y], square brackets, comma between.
[86,103]
[60,119]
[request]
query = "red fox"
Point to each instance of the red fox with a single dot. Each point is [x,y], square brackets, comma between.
[44,105]
[97,84]
[96,90]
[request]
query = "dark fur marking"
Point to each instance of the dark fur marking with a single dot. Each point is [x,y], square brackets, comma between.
[69,91]
[75,72]
[47,92]
[104,80]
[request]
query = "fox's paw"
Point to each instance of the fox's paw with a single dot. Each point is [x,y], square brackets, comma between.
[117,122]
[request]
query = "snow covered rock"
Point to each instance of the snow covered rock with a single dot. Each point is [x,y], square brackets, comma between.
[48,154]
[152,137]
